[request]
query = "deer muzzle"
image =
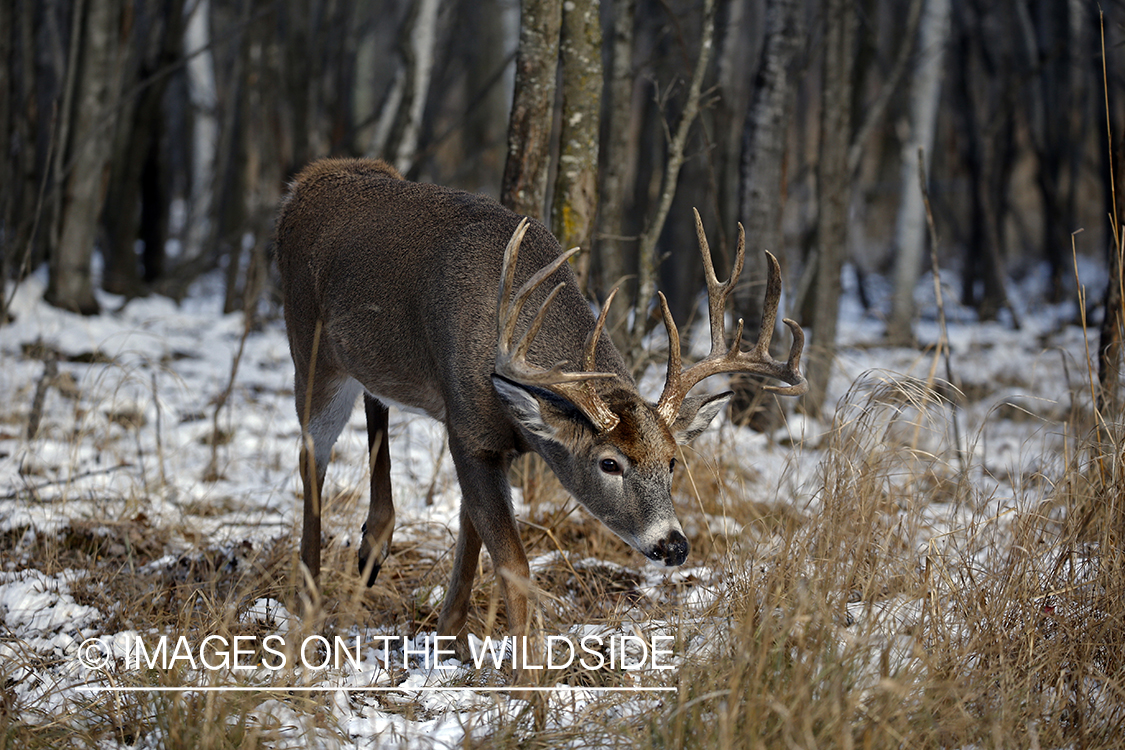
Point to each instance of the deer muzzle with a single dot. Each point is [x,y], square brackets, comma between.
[671,550]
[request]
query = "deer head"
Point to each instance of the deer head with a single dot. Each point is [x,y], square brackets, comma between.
[611,449]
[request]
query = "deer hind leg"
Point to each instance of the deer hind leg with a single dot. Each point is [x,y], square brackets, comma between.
[375,544]
[329,405]
[486,514]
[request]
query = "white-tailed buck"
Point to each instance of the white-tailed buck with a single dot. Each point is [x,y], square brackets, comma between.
[445,302]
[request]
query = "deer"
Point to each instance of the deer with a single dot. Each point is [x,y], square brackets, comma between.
[445,302]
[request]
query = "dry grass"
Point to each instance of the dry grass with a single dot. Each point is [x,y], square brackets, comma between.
[850,621]
[840,631]
[1022,645]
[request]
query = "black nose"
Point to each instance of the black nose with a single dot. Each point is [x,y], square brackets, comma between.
[671,550]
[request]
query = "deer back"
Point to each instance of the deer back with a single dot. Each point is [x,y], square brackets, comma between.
[403,278]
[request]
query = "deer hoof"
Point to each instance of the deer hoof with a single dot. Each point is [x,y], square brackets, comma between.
[369,558]
[373,573]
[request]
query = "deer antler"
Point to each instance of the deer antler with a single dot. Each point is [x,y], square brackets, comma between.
[757,361]
[511,355]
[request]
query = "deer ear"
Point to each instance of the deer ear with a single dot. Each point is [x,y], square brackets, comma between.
[534,407]
[696,414]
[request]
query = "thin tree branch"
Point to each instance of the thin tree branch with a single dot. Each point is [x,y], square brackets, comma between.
[648,261]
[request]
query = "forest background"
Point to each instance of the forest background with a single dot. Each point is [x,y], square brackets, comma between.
[147,142]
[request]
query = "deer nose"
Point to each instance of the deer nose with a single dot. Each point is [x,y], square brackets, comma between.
[671,550]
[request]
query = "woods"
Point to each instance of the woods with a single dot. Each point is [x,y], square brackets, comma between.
[924,550]
[146,142]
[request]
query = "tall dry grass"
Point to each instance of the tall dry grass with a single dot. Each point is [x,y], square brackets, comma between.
[864,629]
[857,621]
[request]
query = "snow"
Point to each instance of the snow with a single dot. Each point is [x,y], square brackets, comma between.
[131,433]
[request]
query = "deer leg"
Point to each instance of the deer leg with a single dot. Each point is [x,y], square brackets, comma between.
[455,611]
[487,506]
[328,409]
[376,534]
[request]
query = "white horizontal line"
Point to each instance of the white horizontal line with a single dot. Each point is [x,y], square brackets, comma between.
[366,689]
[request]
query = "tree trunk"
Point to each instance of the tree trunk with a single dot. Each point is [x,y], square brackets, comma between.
[1112,333]
[524,189]
[489,87]
[910,226]
[138,201]
[204,106]
[987,149]
[8,175]
[1046,28]
[96,100]
[618,174]
[228,216]
[762,185]
[419,54]
[1111,343]
[576,185]
[833,194]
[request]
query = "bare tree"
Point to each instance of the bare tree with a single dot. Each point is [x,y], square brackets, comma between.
[764,137]
[646,251]
[910,227]
[618,169]
[138,201]
[524,189]
[1111,339]
[419,54]
[1048,35]
[982,70]
[833,192]
[86,164]
[576,186]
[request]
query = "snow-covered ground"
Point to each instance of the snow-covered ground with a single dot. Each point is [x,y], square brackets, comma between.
[126,431]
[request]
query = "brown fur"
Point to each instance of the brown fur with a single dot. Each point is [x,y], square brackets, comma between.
[393,285]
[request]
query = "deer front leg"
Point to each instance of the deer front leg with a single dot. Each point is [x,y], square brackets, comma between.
[455,610]
[486,515]
[375,544]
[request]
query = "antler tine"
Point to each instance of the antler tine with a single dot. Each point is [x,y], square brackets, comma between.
[717,291]
[506,322]
[794,363]
[592,339]
[673,394]
[511,356]
[769,306]
[532,330]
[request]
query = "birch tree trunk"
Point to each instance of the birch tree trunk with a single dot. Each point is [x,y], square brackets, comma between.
[576,184]
[910,225]
[205,127]
[420,67]
[762,184]
[833,194]
[94,118]
[9,167]
[524,189]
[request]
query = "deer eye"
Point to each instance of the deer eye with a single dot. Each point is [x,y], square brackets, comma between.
[672,466]
[609,466]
